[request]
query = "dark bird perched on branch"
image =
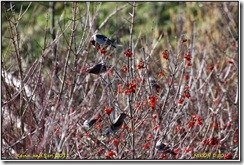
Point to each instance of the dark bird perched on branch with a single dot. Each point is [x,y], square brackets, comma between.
[163,147]
[97,69]
[154,85]
[101,41]
[90,122]
[116,125]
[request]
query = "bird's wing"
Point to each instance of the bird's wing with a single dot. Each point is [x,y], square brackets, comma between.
[116,119]
[101,37]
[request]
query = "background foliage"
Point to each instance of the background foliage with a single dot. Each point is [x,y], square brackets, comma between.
[46,95]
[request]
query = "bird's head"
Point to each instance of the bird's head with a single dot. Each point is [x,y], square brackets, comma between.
[92,40]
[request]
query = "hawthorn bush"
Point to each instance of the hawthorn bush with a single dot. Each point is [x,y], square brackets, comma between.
[178,84]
